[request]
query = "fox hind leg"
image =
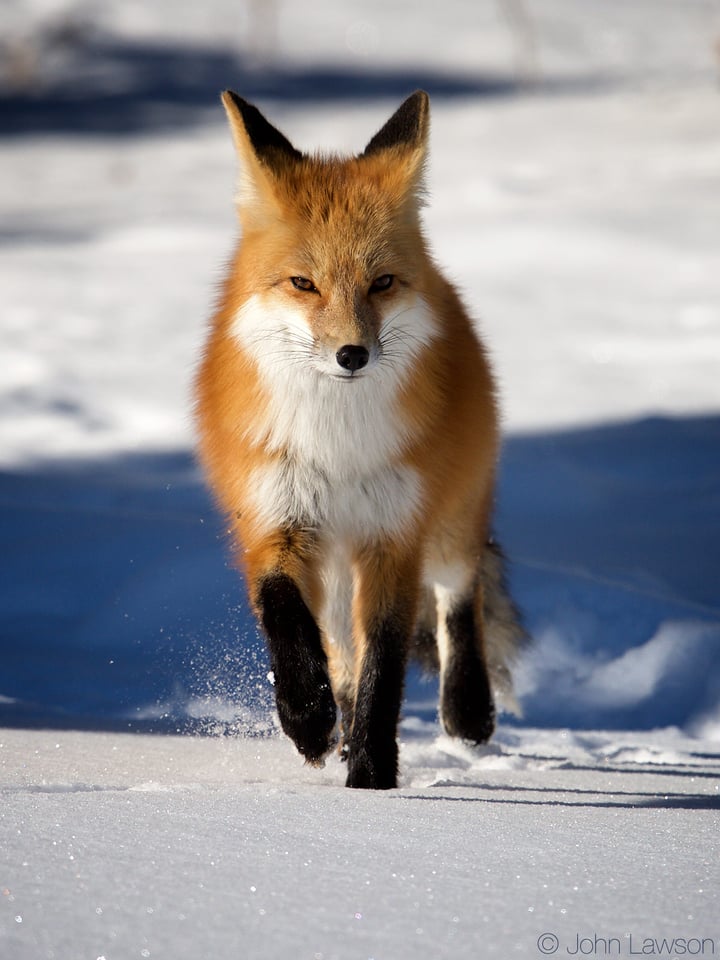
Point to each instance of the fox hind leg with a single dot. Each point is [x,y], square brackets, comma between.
[467,710]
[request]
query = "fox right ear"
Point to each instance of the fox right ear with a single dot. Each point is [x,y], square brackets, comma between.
[261,149]
[405,135]
[406,128]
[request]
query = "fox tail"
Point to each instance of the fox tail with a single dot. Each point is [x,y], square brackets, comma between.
[505,635]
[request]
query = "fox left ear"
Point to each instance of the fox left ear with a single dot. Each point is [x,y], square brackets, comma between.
[406,128]
[262,151]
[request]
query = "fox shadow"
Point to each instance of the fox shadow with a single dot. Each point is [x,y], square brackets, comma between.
[121,607]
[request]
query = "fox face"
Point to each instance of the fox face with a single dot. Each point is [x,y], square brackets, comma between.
[338,247]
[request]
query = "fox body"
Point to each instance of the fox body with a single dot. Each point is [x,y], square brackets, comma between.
[349,430]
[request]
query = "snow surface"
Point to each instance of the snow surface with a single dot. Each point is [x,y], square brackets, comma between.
[150,807]
[182,847]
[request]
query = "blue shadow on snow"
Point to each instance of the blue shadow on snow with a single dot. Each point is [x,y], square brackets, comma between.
[120,607]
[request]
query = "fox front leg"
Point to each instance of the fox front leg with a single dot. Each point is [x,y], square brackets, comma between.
[372,751]
[384,615]
[305,703]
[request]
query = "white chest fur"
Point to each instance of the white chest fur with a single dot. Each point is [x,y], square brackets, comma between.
[379,504]
[339,470]
[340,440]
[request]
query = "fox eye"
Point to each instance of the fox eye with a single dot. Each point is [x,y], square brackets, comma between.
[302,283]
[383,282]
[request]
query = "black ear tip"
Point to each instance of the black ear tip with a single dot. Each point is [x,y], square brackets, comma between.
[417,104]
[229,96]
[407,126]
[264,137]
[421,100]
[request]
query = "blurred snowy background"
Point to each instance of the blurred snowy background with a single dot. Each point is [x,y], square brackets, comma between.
[575,198]
[575,188]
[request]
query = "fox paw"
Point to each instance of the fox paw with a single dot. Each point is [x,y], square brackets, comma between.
[472,727]
[467,710]
[366,772]
[310,724]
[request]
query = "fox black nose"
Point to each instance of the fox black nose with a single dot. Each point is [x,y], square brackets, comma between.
[352,358]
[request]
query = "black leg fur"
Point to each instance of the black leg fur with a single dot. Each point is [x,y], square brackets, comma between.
[347,711]
[423,649]
[372,747]
[466,704]
[304,698]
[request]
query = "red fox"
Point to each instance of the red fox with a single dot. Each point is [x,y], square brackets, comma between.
[348,427]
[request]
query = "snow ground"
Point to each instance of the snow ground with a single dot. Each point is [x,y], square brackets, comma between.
[150,807]
[184,847]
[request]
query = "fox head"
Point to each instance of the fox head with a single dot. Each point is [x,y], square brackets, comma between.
[332,268]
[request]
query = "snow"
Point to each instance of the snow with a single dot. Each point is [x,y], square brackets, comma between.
[181,847]
[150,807]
